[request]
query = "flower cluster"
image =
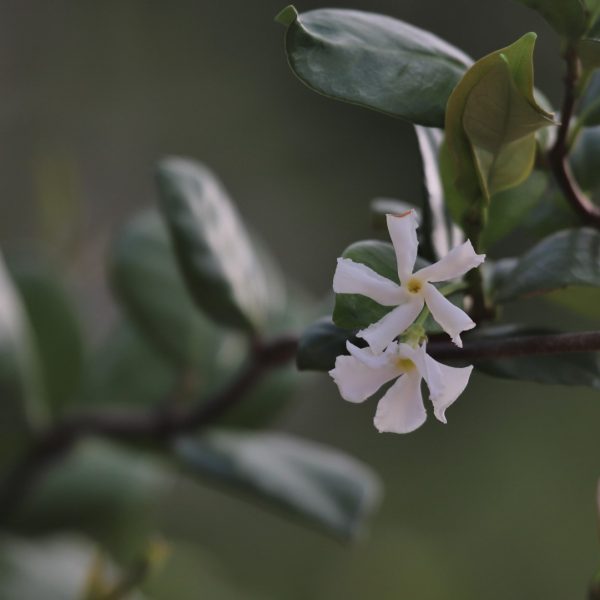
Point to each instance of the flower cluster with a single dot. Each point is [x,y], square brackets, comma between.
[359,375]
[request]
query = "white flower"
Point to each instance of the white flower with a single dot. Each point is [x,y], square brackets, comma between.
[415,289]
[401,409]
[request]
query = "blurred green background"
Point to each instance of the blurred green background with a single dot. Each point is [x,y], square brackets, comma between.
[498,504]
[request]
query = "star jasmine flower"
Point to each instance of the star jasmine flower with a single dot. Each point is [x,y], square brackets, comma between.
[401,409]
[415,290]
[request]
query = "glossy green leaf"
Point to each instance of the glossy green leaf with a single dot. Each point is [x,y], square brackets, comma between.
[491,121]
[567,17]
[56,332]
[320,344]
[589,104]
[23,408]
[577,368]
[305,479]
[374,61]
[570,257]
[585,159]
[223,270]
[439,232]
[508,209]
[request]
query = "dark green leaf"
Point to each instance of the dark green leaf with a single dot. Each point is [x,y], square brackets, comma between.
[439,232]
[588,51]
[320,344]
[374,61]
[56,332]
[585,159]
[146,279]
[589,105]
[567,17]
[570,257]
[508,209]
[577,368]
[305,479]
[222,268]
[22,406]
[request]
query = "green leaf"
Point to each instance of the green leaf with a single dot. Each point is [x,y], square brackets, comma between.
[102,490]
[585,159]
[439,232]
[566,17]
[588,51]
[222,268]
[56,332]
[577,368]
[303,478]
[320,344]
[353,311]
[570,257]
[22,409]
[492,117]
[147,281]
[508,209]
[589,104]
[373,61]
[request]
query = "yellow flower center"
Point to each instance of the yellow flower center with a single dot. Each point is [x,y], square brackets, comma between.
[414,285]
[405,364]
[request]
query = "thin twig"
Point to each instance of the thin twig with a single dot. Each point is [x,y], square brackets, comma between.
[558,156]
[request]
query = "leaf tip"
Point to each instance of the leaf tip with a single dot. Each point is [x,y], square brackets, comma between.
[287,16]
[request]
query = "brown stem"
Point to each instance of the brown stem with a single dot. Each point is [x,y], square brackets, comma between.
[558,156]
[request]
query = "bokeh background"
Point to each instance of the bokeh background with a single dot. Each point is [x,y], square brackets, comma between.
[498,504]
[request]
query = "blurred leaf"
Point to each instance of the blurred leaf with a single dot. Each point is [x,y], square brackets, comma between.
[56,332]
[589,105]
[439,232]
[22,406]
[585,158]
[582,300]
[574,368]
[570,257]
[307,479]
[567,17]
[509,208]
[101,490]
[52,569]
[588,51]
[223,271]
[320,344]
[492,117]
[145,276]
[374,61]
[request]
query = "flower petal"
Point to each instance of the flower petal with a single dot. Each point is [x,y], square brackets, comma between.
[357,381]
[455,381]
[380,334]
[355,278]
[452,319]
[401,409]
[428,369]
[455,264]
[369,358]
[403,231]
